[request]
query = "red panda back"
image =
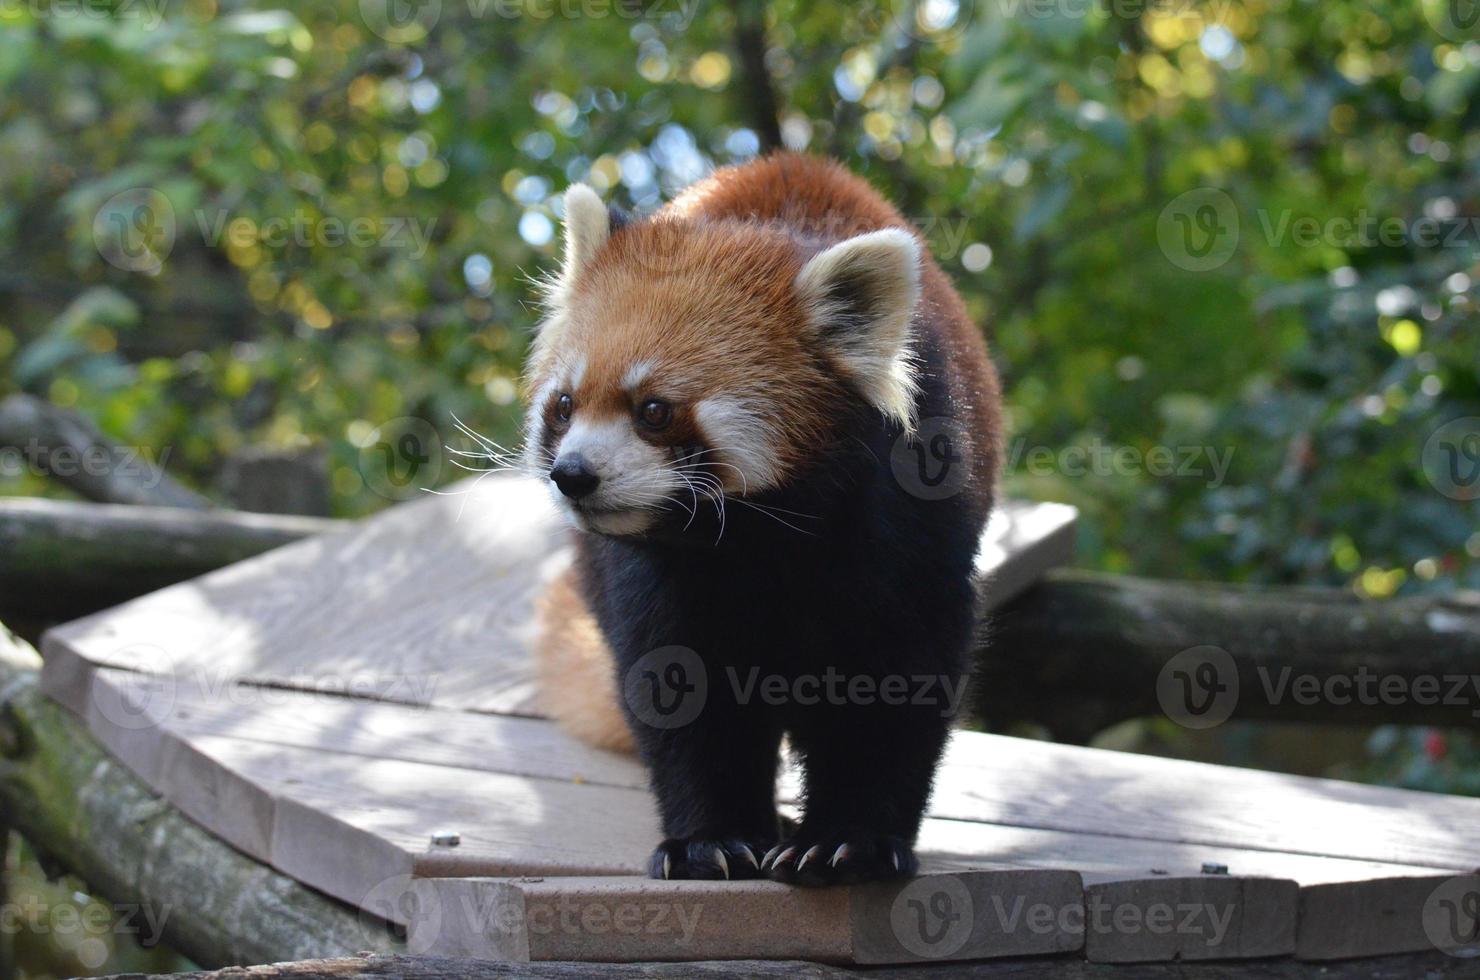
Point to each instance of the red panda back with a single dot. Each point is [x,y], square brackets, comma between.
[821,199]
[816,197]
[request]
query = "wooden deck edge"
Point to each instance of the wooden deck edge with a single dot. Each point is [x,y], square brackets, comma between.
[933,918]
[1208,917]
[1431,966]
[1390,915]
[95,818]
[1135,920]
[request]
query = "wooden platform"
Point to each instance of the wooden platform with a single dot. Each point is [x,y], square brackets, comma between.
[357,711]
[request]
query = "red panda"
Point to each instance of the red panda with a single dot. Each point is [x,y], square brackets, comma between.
[720,395]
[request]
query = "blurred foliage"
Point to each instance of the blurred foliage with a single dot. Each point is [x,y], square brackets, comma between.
[1242,231]
[339,214]
[53,928]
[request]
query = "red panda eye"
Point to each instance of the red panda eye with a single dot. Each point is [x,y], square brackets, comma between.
[564,405]
[655,414]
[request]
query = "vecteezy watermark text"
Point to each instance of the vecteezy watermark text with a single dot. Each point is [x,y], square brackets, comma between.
[670,686]
[1201,688]
[305,230]
[833,687]
[140,463]
[1100,458]
[88,926]
[148,12]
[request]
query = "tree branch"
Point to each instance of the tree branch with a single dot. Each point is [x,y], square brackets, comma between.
[66,446]
[65,559]
[758,92]
[1082,651]
[92,817]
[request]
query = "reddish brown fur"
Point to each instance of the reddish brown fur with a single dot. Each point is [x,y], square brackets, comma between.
[825,200]
[653,293]
[577,688]
[705,289]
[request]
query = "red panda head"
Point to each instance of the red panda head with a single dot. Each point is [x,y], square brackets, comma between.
[682,357]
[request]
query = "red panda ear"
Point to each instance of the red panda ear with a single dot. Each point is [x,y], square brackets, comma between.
[860,295]
[587,227]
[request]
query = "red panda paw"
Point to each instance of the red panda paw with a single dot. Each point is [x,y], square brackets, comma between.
[705,858]
[841,858]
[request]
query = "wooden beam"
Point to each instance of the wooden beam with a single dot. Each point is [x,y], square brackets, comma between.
[95,819]
[64,558]
[1433,966]
[70,449]
[1082,651]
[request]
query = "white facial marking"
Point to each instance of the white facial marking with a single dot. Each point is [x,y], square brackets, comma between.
[534,426]
[636,375]
[634,475]
[740,440]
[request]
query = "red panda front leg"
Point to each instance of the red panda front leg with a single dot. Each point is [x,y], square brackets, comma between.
[868,774]
[714,780]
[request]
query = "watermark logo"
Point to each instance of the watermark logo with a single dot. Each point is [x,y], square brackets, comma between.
[397,899]
[1199,688]
[305,230]
[931,463]
[1451,459]
[1454,20]
[932,916]
[1451,916]
[134,230]
[400,21]
[142,693]
[676,13]
[666,688]
[90,929]
[837,688]
[401,458]
[149,13]
[137,463]
[1198,231]
[1099,458]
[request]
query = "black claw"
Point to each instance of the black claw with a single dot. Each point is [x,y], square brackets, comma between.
[706,859]
[840,859]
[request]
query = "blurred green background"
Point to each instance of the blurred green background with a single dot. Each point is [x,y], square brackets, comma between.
[1225,252]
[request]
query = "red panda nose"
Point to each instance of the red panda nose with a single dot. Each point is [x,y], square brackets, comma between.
[574,476]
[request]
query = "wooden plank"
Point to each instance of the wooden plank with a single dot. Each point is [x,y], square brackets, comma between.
[448,628]
[386,615]
[239,810]
[1106,789]
[958,845]
[243,810]
[997,779]
[615,919]
[1022,541]
[1390,915]
[430,603]
[1132,886]
[970,915]
[1211,917]
[1430,966]
[348,825]
[520,746]
[119,703]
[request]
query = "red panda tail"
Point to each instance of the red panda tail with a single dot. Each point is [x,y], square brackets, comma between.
[578,686]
